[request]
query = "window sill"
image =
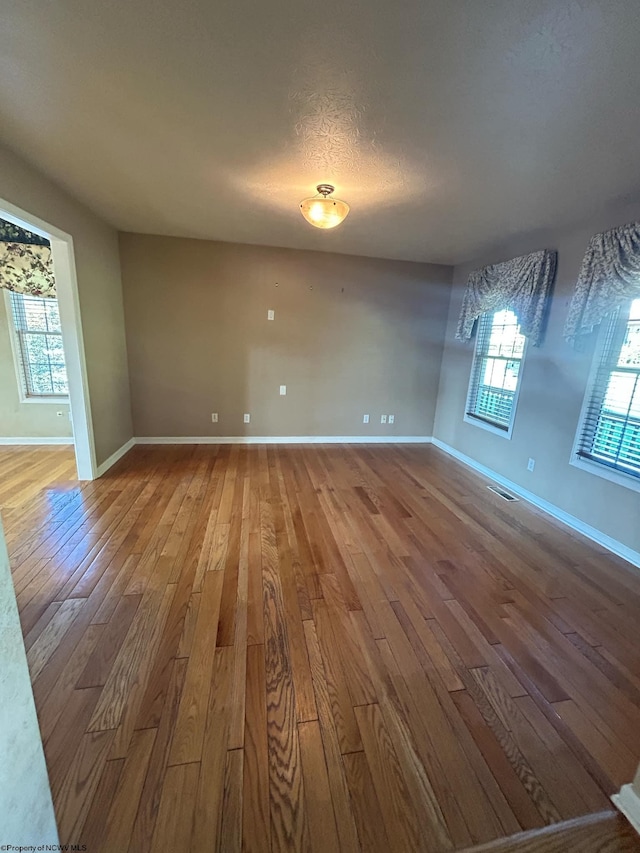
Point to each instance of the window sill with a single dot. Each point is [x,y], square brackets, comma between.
[489,427]
[61,401]
[628,481]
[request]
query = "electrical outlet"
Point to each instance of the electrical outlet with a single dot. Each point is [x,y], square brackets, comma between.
[214,417]
[271,314]
[247,418]
[383,419]
[365,419]
[391,419]
[531,464]
[283,390]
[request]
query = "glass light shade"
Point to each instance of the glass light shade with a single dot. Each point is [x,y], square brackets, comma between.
[322,211]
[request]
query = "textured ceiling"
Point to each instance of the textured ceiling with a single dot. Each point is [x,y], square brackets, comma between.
[447,125]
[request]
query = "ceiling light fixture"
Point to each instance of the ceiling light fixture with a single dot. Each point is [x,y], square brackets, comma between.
[322,211]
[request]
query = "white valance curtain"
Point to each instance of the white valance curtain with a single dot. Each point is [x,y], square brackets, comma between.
[520,285]
[25,262]
[609,276]
[27,269]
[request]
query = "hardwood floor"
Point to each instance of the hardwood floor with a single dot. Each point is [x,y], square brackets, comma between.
[318,648]
[600,833]
[26,470]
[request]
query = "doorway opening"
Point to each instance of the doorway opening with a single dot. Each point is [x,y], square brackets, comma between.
[41,346]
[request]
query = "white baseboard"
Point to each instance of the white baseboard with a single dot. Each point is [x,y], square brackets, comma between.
[628,802]
[120,452]
[286,439]
[55,439]
[571,521]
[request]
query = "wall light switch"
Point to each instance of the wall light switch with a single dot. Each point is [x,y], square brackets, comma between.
[214,417]
[531,464]
[365,419]
[271,314]
[283,390]
[247,418]
[392,419]
[383,419]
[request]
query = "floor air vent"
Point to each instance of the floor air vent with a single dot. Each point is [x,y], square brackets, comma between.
[502,494]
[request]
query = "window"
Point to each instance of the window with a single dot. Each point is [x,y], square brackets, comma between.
[38,347]
[609,432]
[495,375]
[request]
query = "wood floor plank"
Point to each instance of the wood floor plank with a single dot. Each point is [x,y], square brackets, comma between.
[31,636]
[207,820]
[502,769]
[175,814]
[143,828]
[606,832]
[53,702]
[356,673]
[398,812]
[255,616]
[186,746]
[439,815]
[337,685]
[610,753]
[96,820]
[48,641]
[239,682]
[124,806]
[319,806]
[303,688]
[63,739]
[99,664]
[426,646]
[544,763]
[289,828]
[132,655]
[581,785]
[343,814]
[74,795]
[231,831]
[457,766]
[366,806]
[229,598]
[256,832]
[189,626]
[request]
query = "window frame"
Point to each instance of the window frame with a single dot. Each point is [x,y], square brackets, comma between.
[606,332]
[18,365]
[476,420]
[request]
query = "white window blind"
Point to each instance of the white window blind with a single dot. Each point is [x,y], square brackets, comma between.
[495,373]
[39,349]
[610,429]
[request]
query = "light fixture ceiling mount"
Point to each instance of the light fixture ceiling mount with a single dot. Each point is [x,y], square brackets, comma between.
[323,211]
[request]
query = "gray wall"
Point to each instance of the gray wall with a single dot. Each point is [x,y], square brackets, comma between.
[26,810]
[18,419]
[552,390]
[351,335]
[99,290]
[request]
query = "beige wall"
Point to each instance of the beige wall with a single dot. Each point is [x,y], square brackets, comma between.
[552,390]
[26,810]
[100,294]
[351,336]
[18,419]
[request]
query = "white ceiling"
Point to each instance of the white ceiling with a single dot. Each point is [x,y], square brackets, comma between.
[448,125]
